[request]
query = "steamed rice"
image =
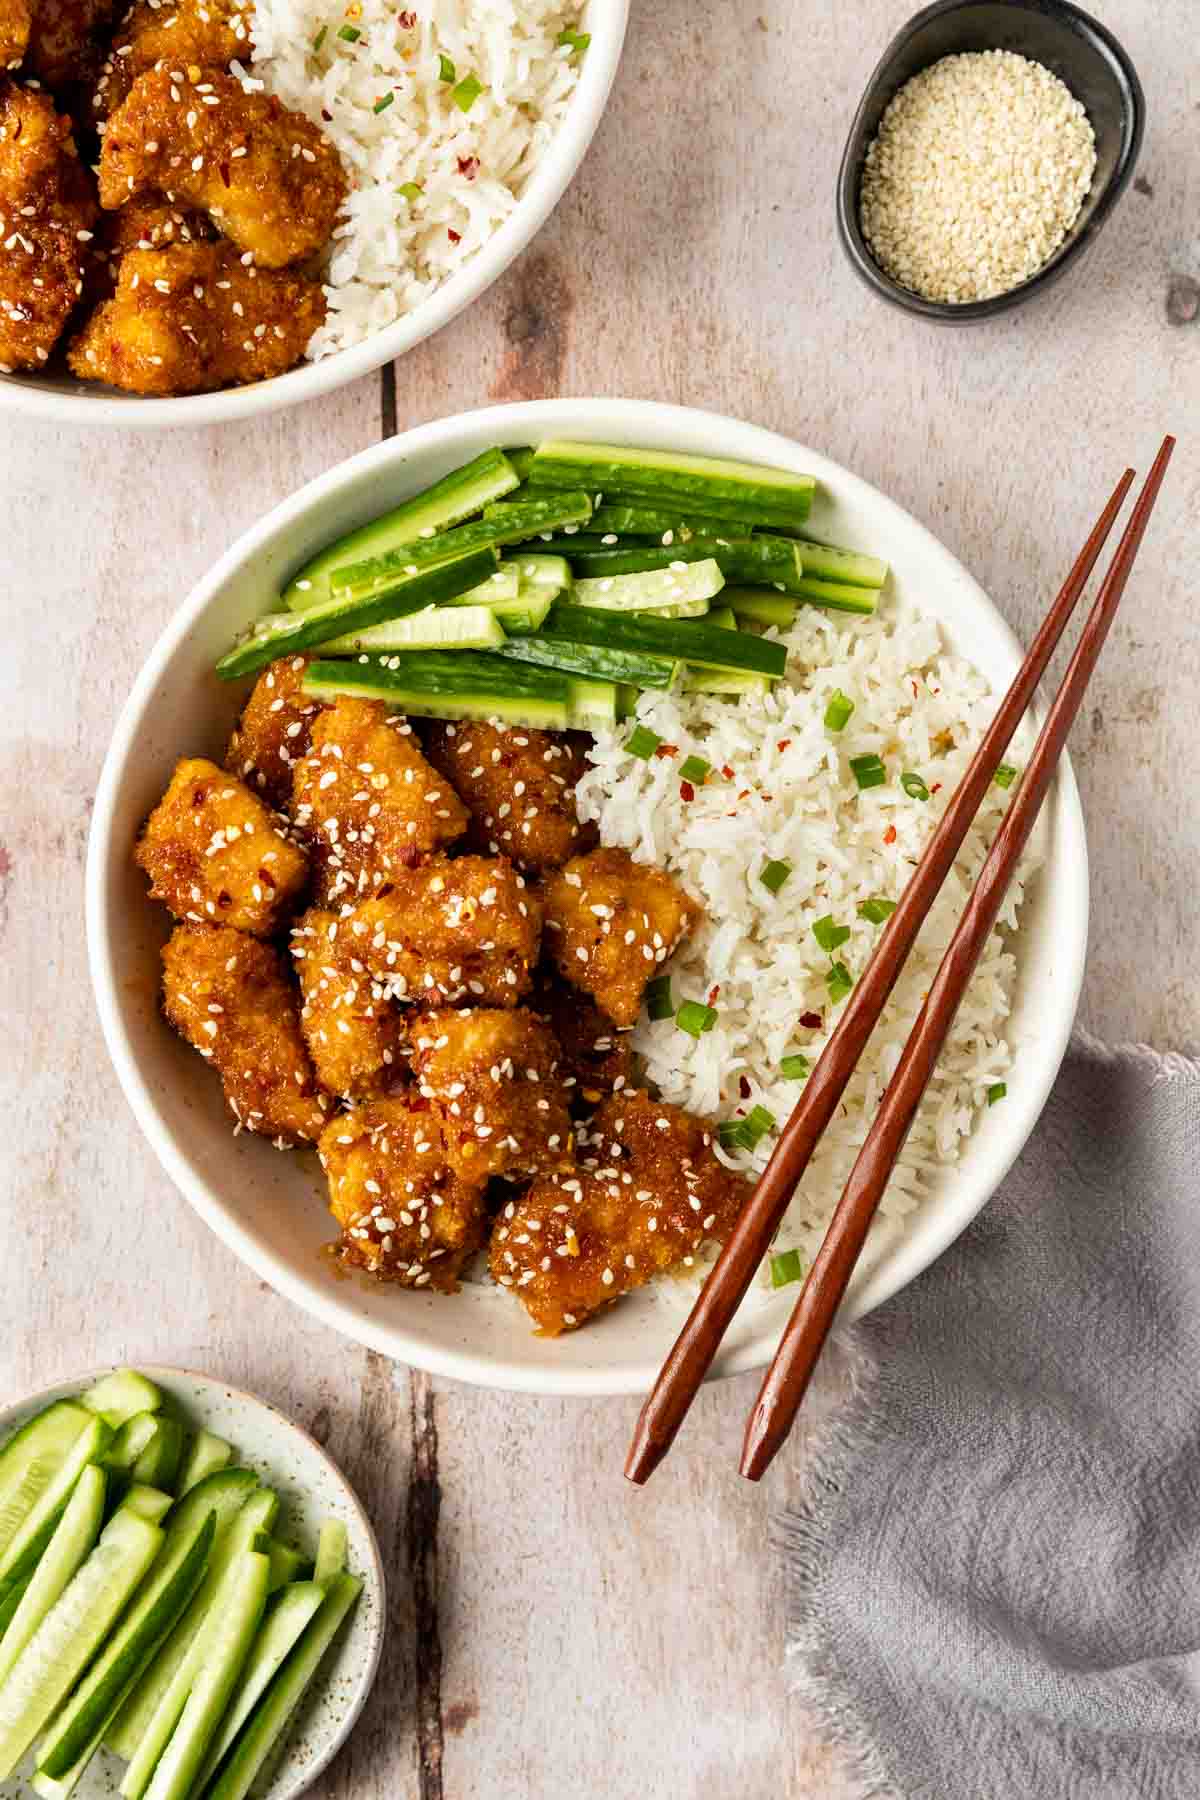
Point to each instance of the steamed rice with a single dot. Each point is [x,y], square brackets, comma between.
[391,250]
[790,794]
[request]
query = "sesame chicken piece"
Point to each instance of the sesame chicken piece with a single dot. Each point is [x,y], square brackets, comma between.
[610,922]
[461,930]
[191,318]
[182,34]
[596,1057]
[266,176]
[228,994]
[368,801]
[47,211]
[151,222]
[648,1193]
[493,1079]
[274,730]
[15,19]
[354,1032]
[519,785]
[405,1215]
[64,41]
[216,855]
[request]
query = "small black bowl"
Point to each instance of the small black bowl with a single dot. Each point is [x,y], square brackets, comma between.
[1080,51]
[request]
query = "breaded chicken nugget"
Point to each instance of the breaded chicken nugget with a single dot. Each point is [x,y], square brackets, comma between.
[216,855]
[192,318]
[15,19]
[183,34]
[648,1193]
[519,785]
[47,211]
[265,176]
[64,41]
[494,1080]
[405,1215]
[353,1029]
[596,1056]
[274,730]
[229,996]
[368,802]
[609,922]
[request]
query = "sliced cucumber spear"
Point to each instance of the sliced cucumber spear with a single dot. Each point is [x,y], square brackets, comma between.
[761,608]
[502,584]
[285,1621]
[709,485]
[119,1395]
[331,1551]
[158,1464]
[694,641]
[660,524]
[77,1531]
[697,581]
[468,685]
[29,1459]
[207,1454]
[134,1436]
[849,568]
[454,498]
[287,1564]
[262,1738]
[72,1632]
[52,1493]
[148,1502]
[437,628]
[539,569]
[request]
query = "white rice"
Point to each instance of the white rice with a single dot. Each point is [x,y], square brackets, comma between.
[391,251]
[792,797]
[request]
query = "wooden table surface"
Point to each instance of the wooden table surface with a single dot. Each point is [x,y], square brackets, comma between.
[552,1629]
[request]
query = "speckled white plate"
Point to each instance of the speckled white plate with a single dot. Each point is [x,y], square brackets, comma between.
[311,1488]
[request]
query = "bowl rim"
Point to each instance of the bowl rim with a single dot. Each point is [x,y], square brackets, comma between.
[512,423]
[849,229]
[23,397]
[376,1576]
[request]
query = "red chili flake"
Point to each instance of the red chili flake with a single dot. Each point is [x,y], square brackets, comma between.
[744,1088]
[328,118]
[811,1021]
[744,794]
[686,791]
[468,166]
[936,788]
[712,994]
[454,236]
[916,690]
[666,750]
[726,771]
[889,836]
[783,743]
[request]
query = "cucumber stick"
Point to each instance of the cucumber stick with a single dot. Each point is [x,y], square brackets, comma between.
[119,1395]
[72,1632]
[261,1739]
[134,1435]
[228,1636]
[206,1455]
[88,1447]
[437,628]
[502,584]
[849,567]
[147,1502]
[468,685]
[702,484]
[29,1459]
[690,582]
[331,1551]
[593,705]
[454,498]
[538,569]
[504,524]
[287,1565]
[286,1619]
[761,608]
[158,1464]
[11,1598]
[77,1531]
[150,1713]
[694,641]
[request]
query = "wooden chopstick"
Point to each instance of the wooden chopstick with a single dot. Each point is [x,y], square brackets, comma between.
[800,1346]
[684,1370]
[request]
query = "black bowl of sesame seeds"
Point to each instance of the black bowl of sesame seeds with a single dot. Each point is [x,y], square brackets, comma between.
[992,142]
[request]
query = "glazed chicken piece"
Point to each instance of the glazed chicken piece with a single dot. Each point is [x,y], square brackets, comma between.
[15,19]
[151,222]
[46,216]
[65,36]
[596,1057]
[462,930]
[368,801]
[265,176]
[354,1032]
[274,730]
[228,994]
[647,1194]
[493,1079]
[519,785]
[192,318]
[183,34]
[610,922]
[405,1215]
[216,855]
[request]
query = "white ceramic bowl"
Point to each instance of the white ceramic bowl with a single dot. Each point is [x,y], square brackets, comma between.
[267,1207]
[62,400]
[311,1488]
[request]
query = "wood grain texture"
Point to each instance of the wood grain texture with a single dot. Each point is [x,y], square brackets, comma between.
[552,1629]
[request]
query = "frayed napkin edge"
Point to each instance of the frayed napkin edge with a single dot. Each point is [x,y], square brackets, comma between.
[1166,1065]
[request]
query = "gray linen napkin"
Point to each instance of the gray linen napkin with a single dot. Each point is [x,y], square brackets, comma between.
[994,1572]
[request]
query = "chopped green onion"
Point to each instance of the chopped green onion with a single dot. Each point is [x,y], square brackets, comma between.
[837,713]
[573,40]
[1005,775]
[868,770]
[320,38]
[794,1068]
[695,1019]
[467,93]
[642,742]
[828,934]
[383,104]
[876,911]
[446,69]
[786,1268]
[349,34]
[914,787]
[659,1003]
[732,1135]
[412,190]
[839,981]
[760,1121]
[693,768]
[996,1092]
[774,874]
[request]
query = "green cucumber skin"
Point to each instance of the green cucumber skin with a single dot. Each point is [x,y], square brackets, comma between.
[334,619]
[332,1544]
[592,662]
[849,568]
[43,1441]
[760,608]
[121,1394]
[705,485]
[521,460]
[73,1539]
[540,708]
[504,524]
[88,1447]
[134,1436]
[206,1455]
[834,596]
[753,562]
[455,497]
[287,1565]
[467,672]
[689,640]
[158,1464]
[11,1598]
[654,523]
[287,1618]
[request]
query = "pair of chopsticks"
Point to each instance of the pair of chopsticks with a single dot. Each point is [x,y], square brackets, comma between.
[812,1318]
